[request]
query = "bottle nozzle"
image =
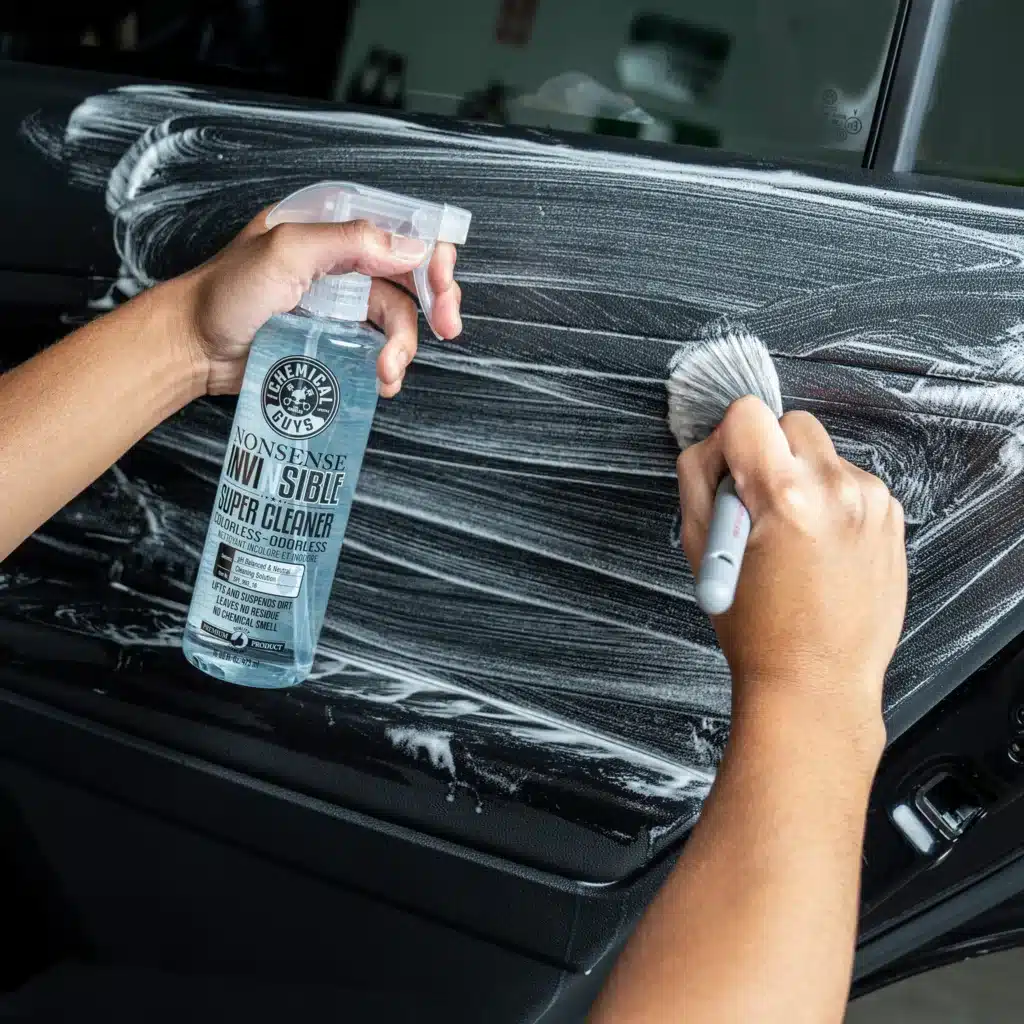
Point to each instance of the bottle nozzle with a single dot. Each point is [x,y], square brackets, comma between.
[345,296]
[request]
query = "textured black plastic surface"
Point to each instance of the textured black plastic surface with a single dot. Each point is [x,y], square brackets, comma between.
[514,663]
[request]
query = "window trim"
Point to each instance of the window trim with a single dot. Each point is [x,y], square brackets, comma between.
[904,97]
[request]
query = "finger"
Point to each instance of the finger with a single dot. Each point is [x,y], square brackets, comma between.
[896,524]
[699,468]
[808,439]
[895,527]
[757,453]
[446,290]
[448,312]
[394,313]
[392,389]
[872,498]
[441,272]
[301,252]
[863,477]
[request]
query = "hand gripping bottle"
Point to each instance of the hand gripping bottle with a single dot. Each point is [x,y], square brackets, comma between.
[294,453]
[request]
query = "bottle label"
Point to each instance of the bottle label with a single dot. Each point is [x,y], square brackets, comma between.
[274,517]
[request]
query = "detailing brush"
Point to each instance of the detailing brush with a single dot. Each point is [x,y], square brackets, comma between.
[703,382]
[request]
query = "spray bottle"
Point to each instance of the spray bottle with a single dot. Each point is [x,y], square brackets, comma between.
[294,453]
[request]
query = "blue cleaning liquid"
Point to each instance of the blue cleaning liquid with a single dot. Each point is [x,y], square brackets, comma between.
[283,500]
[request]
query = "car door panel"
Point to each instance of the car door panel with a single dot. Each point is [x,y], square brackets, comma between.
[513,663]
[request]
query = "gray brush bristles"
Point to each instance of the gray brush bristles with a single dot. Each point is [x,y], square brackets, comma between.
[704,381]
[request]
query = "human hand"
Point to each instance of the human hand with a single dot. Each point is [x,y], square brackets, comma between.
[822,592]
[264,272]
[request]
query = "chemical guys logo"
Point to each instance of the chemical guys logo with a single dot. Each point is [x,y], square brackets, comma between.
[300,397]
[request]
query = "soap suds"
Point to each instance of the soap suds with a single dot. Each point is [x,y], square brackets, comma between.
[436,747]
[512,585]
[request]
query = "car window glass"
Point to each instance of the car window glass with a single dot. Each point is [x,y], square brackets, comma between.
[971,130]
[768,77]
[772,78]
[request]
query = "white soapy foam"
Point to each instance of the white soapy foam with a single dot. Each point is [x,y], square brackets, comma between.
[435,746]
[511,574]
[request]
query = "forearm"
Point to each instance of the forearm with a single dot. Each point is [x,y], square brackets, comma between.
[758,920]
[70,412]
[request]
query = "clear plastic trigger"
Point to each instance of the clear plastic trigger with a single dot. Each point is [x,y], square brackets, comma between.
[421,278]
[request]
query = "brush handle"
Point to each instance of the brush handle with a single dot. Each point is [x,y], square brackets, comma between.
[723,555]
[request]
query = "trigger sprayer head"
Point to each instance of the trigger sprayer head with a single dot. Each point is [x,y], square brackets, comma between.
[346,296]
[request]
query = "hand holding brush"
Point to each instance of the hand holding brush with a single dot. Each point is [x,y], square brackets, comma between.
[702,384]
[767,884]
